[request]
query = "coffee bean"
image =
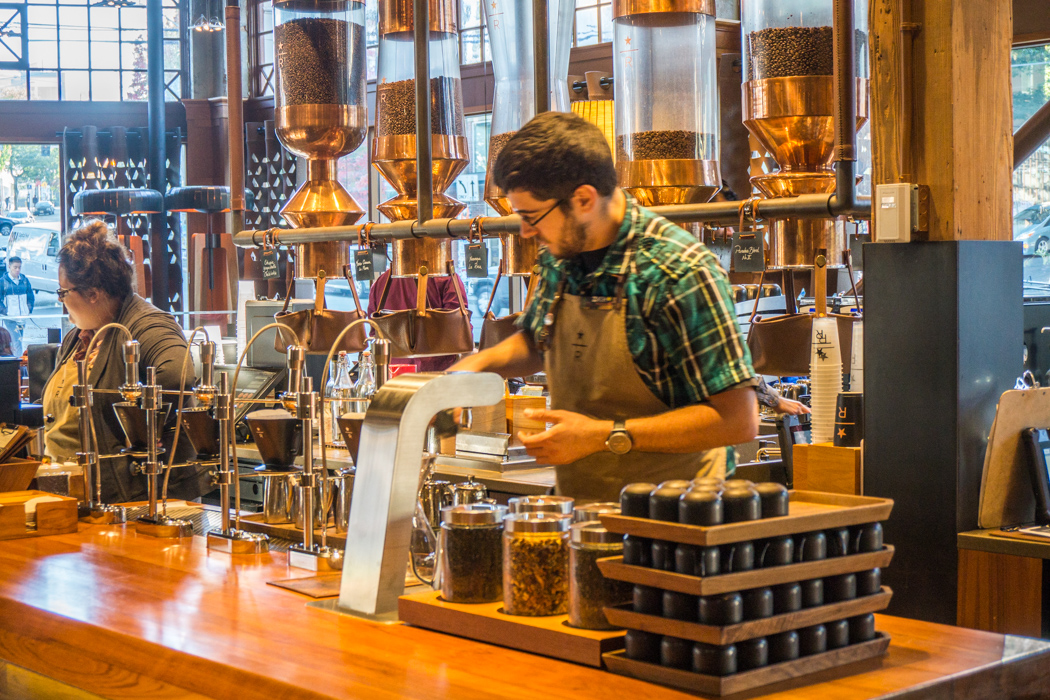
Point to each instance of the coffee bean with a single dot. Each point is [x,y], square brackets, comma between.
[496,144]
[319,61]
[663,145]
[396,107]
[780,52]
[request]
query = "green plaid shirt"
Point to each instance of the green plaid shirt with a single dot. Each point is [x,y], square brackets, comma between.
[680,317]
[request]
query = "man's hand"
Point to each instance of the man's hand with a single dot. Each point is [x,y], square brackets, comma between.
[790,407]
[573,436]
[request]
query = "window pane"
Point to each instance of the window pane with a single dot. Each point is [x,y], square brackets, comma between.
[373,63]
[75,84]
[173,83]
[267,52]
[587,27]
[72,22]
[43,54]
[1030,77]
[42,25]
[172,59]
[74,54]
[372,22]
[136,87]
[105,55]
[105,85]
[470,43]
[133,55]
[12,85]
[607,30]
[44,85]
[470,14]
[133,17]
[104,18]
[171,24]
[586,3]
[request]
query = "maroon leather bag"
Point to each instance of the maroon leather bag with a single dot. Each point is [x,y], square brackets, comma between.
[425,332]
[317,328]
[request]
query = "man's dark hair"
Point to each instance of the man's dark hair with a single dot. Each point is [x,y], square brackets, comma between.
[14,259]
[554,154]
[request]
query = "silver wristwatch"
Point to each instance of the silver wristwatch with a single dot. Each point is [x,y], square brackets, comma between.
[619,441]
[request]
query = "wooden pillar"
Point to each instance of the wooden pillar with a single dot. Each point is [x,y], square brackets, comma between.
[941,109]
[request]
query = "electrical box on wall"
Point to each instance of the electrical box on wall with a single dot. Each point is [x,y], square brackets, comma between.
[896,211]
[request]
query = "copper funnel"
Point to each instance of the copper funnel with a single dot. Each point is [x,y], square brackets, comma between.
[794,242]
[322,133]
[669,181]
[794,118]
[410,255]
[395,158]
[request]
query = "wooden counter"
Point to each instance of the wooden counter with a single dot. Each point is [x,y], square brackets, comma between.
[132,617]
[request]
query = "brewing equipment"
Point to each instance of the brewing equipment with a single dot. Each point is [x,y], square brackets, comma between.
[788,94]
[394,146]
[666,100]
[320,114]
[511,36]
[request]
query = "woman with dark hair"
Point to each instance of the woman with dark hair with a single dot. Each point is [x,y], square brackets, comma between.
[95,283]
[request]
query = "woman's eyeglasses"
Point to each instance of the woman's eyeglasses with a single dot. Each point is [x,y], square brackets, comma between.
[61,293]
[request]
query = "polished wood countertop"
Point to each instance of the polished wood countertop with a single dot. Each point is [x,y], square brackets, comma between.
[126,616]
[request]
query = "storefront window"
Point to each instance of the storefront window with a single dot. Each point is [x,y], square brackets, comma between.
[1031,225]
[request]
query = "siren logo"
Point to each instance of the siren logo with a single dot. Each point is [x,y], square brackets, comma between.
[629,61]
[495,15]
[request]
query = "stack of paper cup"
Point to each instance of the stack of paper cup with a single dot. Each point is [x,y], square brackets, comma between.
[825,377]
[856,364]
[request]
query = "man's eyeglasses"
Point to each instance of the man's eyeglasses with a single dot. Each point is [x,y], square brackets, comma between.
[535,222]
[61,293]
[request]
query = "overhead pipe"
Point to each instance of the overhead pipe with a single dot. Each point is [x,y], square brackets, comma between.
[843,202]
[424,142]
[157,158]
[235,114]
[540,55]
[1032,134]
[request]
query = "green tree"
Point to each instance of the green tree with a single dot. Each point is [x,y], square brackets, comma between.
[26,161]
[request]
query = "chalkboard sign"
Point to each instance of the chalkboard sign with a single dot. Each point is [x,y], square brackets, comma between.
[477,261]
[364,270]
[749,251]
[270,270]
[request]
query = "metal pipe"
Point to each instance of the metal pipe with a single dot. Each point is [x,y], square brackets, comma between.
[424,156]
[844,201]
[307,404]
[381,354]
[224,415]
[540,57]
[1032,134]
[88,454]
[151,405]
[235,114]
[157,158]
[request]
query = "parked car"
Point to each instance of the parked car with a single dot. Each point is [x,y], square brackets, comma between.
[1032,228]
[44,208]
[37,245]
[21,216]
[5,229]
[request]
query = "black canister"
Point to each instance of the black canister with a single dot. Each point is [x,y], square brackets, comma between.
[700,507]
[787,598]
[663,504]
[708,482]
[861,628]
[676,653]
[675,484]
[774,499]
[634,500]
[736,557]
[663,555]
[758,603]
[647,600]
[714,660]
[838,542]
[783,647]
[838,634]
[776,551]
[840,588]
[752,653]
[869,582]
[642,646]
[730,484]
[812,640]
[637,551]
[696,561]
[720,610]
[866,538]
[849,419]
[811,546]
[679,606]
[741,505]
[812,593]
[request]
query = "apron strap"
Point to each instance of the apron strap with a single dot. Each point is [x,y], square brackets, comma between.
[290,286]
[455,285]
[353,288]
[386,290]
[492,297]
[319,296]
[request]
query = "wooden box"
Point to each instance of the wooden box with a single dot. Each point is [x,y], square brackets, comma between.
[746,680]
[54,518]
[486,622]
[16,473]
[824,467]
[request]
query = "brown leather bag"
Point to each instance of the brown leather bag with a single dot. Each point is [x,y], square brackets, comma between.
[782,345]
[495,330]
[423,332]
[318,327]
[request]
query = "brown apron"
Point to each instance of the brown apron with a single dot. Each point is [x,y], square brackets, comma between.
[590,370]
